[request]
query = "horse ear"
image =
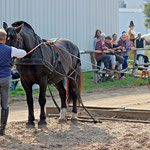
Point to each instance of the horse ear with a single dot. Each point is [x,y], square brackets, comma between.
[18,29]
[5,26]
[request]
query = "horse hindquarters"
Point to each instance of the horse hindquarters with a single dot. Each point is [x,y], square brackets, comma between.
[74,92]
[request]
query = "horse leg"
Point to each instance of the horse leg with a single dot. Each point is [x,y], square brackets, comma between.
[28,90]
[74,110]
[74,94]
[62,94]
[42,101]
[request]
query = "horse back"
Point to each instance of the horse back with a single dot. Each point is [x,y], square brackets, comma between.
[69,50]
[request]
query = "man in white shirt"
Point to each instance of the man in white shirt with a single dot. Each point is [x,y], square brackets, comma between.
[6,53]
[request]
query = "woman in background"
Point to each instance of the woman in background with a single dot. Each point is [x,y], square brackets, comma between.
[115,47]
[97,37]
[125,43]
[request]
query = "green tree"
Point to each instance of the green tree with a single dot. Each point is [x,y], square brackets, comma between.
[147,14]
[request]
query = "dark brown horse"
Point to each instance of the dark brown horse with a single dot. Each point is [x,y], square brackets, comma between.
[46,66]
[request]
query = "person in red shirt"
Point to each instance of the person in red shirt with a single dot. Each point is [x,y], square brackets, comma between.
[102,57]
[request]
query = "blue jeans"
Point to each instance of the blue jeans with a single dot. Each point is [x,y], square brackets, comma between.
[125,64]
[105,59]
[119,58]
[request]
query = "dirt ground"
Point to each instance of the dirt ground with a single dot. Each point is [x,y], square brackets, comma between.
[109,135]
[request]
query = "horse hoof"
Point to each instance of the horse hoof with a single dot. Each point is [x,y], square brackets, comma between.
[74,121]
[62,114]
[30,124]
[61,121]
[74,118]
[42,122]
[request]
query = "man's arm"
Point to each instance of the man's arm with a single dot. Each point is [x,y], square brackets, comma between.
[19,53]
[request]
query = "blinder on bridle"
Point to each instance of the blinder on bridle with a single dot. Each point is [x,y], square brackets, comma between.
[11,33]
[13,36]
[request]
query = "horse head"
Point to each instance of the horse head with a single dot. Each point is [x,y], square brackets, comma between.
[20,35]
[12,35]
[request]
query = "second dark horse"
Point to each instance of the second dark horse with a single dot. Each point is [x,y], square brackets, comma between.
[45,66]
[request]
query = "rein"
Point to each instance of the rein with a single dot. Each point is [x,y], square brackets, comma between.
[51,43]
[144,72]
[37,47]
[48,65]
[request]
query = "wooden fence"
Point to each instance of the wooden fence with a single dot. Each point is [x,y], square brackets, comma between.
[95,70]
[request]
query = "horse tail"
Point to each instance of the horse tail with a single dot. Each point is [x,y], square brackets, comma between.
[74,88]
[80,83]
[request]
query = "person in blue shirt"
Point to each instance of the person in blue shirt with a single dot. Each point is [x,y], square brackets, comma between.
[6,53]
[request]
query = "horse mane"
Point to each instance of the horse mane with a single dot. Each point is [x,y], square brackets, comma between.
[18,23]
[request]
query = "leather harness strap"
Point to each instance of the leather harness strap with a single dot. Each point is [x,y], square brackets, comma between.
[40,61]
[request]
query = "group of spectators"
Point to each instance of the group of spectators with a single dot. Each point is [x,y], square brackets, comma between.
[114,59]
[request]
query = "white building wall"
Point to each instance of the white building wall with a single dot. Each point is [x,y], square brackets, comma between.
[126,15]
[134,11]
[76,20]
[134,4]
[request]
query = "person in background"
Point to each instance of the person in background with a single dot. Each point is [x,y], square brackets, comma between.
[108,46]
[101,57]
[131,33]
[140,43]
[124,32]
[96,37]
[121,34]
[14,75]
[124,42]
[116,47]
[6,53]
[114,41]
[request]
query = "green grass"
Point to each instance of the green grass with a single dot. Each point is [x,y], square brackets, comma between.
[89,84]
[17,92]
[21,91]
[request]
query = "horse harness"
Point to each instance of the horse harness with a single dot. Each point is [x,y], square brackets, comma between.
[41,61]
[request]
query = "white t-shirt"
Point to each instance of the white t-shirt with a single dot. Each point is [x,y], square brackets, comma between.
[19,53]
